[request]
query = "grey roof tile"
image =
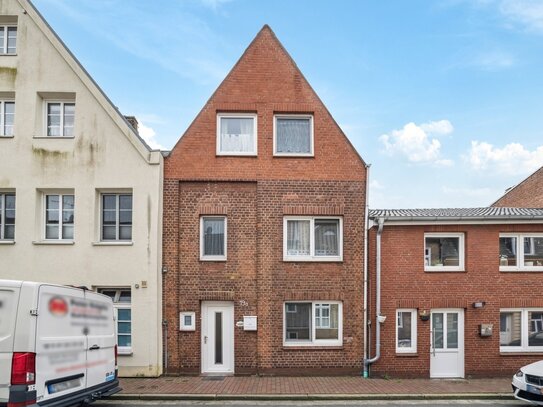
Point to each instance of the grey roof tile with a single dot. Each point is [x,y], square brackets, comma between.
[486,213]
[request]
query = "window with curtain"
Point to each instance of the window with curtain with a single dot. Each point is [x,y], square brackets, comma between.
[293,135]
[7,117]
[7,216]
[312,238]
[213,238]
[116,217]
[313,323]
[59,217]
[8,39]
[60,119]
[236,135]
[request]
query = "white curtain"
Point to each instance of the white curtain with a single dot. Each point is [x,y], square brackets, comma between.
[213,237]
[293,136]
[326,241]
[298,237]
[237,135]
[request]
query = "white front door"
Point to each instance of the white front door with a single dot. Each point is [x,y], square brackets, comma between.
[217,337]
[447,343]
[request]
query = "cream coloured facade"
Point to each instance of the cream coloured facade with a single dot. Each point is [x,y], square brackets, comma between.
[86,190]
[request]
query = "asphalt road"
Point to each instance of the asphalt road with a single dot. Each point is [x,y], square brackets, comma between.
[415,403]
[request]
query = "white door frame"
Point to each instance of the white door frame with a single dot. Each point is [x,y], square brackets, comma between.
[458,363]
[208,338]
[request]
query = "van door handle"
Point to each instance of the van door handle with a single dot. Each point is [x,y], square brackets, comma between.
[94,347]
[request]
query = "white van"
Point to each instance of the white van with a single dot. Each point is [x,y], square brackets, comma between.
[57,345]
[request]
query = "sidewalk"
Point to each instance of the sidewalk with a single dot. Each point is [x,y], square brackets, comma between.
[254,387]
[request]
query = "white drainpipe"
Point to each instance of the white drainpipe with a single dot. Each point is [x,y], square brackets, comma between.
[378,318]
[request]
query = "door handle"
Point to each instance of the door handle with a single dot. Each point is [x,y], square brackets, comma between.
[94,347]
[205,339]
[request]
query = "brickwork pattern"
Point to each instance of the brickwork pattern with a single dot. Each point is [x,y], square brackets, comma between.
[528,194]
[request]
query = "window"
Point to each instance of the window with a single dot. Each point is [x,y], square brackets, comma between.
[521,330]
[116,217]
[312,239]
[313,323]
[236,134]
[8,39]
[187,321]
[122,297]
[7,118]
[444,252]
[521,252]
[59,217]
[406,331]
[7,216]
[60,119]
[293,135]
[213,238]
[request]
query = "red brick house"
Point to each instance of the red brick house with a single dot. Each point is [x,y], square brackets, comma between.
[264,222]
[526,194]
[461,290]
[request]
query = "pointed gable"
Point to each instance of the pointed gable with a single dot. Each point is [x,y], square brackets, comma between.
[265,81]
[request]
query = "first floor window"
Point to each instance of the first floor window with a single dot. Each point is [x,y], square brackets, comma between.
[406,330]
[59,217]
[213,238]
[122,298]
[236,134]
[293,135]
[7,117]
[521,330]
[521,252]
[116,217]
[313,323]
[443,252]
[7,216]
[60,119]
[312,238]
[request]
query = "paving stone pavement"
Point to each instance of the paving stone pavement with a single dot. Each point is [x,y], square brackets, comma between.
[247,385]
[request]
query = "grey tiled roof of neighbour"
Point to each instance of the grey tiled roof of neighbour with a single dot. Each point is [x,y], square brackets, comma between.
[486,213]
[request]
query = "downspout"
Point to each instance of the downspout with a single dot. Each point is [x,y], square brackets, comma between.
[378,318]
[365,288]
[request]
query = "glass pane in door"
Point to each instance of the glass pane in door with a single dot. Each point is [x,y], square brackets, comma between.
[218,338]
[437,326]
[452,331]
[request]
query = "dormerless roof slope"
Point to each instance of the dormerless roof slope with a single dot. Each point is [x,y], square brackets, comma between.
[452,214]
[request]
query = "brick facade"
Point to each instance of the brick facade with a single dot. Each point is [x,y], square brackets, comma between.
[527,194]
[255,193]
[405,284]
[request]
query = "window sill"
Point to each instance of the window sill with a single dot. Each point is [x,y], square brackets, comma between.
[444,270]
[54,242]
[55,137]
[251,155]
[407,354]
[1,137]
[8,242]
[278,155]
[313,260]
[521,353]
[114,243]
[536,269]
[8,55]
[124,353]
[312,347]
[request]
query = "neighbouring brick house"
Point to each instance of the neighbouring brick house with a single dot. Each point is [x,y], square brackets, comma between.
[526,194]
[264,204]
[461,290]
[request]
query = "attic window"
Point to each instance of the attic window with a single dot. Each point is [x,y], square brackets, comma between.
[444,252]
[8,35]
[236,134]
[293,135]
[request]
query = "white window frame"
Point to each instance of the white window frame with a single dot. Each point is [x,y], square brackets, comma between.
[121,350]
[187,327]
[313,341]
[524,326]
[461,252]
[3,216]
[312,257]
[413,347]
[311,135]
[209,257]
[253,116]
[60,195]
[520,252]
[117,217]
[5,29]
[3,117]
[46,117]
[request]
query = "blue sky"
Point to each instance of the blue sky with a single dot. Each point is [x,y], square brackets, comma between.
[443,98]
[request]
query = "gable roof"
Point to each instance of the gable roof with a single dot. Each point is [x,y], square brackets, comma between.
[520,184]
[150,155]
[458,214]
[267,32]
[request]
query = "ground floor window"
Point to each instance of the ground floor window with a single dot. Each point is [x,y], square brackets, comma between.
[122,298]
[313,323]
[406,330]
[521,330]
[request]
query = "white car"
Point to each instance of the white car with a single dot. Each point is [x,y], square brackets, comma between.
[528,383]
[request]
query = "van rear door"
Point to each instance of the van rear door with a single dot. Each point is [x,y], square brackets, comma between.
[101,339]
[9,298]
[61,342]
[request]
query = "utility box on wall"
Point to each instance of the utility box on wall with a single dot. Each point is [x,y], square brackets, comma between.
[485,329]
[249,323]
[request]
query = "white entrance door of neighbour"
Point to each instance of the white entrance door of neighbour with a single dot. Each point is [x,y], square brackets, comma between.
[447,343]
[217,337]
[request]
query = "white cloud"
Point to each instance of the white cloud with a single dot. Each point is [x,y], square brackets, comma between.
[149,135]
[214,4]
[415,143]
[528,13]
[376,185]
[513,158]
[496,60]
